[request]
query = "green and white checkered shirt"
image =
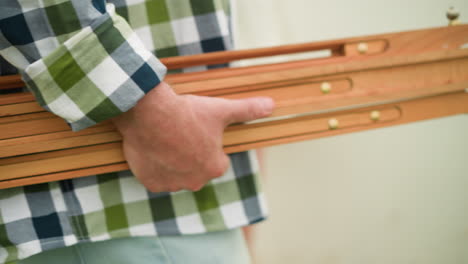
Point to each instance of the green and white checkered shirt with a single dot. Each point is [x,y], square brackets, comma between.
[87,61]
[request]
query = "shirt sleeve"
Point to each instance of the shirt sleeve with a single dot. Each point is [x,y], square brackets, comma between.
[96,69]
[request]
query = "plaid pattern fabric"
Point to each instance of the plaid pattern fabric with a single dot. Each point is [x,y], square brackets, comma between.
[68,60]
[106,66]
[192,26]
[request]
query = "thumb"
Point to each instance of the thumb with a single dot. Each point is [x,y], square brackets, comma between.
[243,110]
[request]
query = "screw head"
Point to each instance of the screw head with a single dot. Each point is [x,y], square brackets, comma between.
[375,115]
[362,47]
[333,123]
[325,87]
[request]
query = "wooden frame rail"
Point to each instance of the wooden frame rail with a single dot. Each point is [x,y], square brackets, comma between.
[366,83]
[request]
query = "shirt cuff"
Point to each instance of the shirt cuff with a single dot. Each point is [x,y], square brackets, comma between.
[99,73]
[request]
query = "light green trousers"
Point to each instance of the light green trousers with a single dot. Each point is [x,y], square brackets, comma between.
[225,247]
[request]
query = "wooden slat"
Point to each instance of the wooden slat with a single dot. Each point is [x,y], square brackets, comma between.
[59,143]
[412,111]
[324,70]
[278,132]
[58,164]
[229,56]
[403,77]
[25,117]
[63,175]
[16,98]
[401,43]
[11,81]
[21,108]
[58,153]
[24,141]
[32,127]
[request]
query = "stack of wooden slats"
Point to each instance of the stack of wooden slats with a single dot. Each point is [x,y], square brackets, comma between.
[365,83]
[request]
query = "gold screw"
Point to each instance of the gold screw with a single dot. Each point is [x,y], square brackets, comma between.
[362,47]
[375,115]
[333,123]
[325,87]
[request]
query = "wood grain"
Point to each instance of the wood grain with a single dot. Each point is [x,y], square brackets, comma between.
[10,81]
[63,163]
[64,175]
[58,153]
[425,40]
[74,164]
[59,143]
[411,111]
[407,77]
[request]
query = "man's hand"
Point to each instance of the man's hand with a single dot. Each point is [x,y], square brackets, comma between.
[174,142]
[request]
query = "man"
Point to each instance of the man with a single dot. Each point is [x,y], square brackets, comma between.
[88,61]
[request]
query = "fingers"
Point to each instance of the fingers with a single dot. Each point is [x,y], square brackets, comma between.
[170,181]
[243,110]
[214,168]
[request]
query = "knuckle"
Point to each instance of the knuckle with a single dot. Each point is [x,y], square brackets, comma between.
[165,187]
[195,186]
[153,188]
[212,172]
[173,188]
[217,169]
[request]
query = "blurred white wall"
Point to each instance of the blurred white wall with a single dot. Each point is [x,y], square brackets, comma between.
[393,195]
